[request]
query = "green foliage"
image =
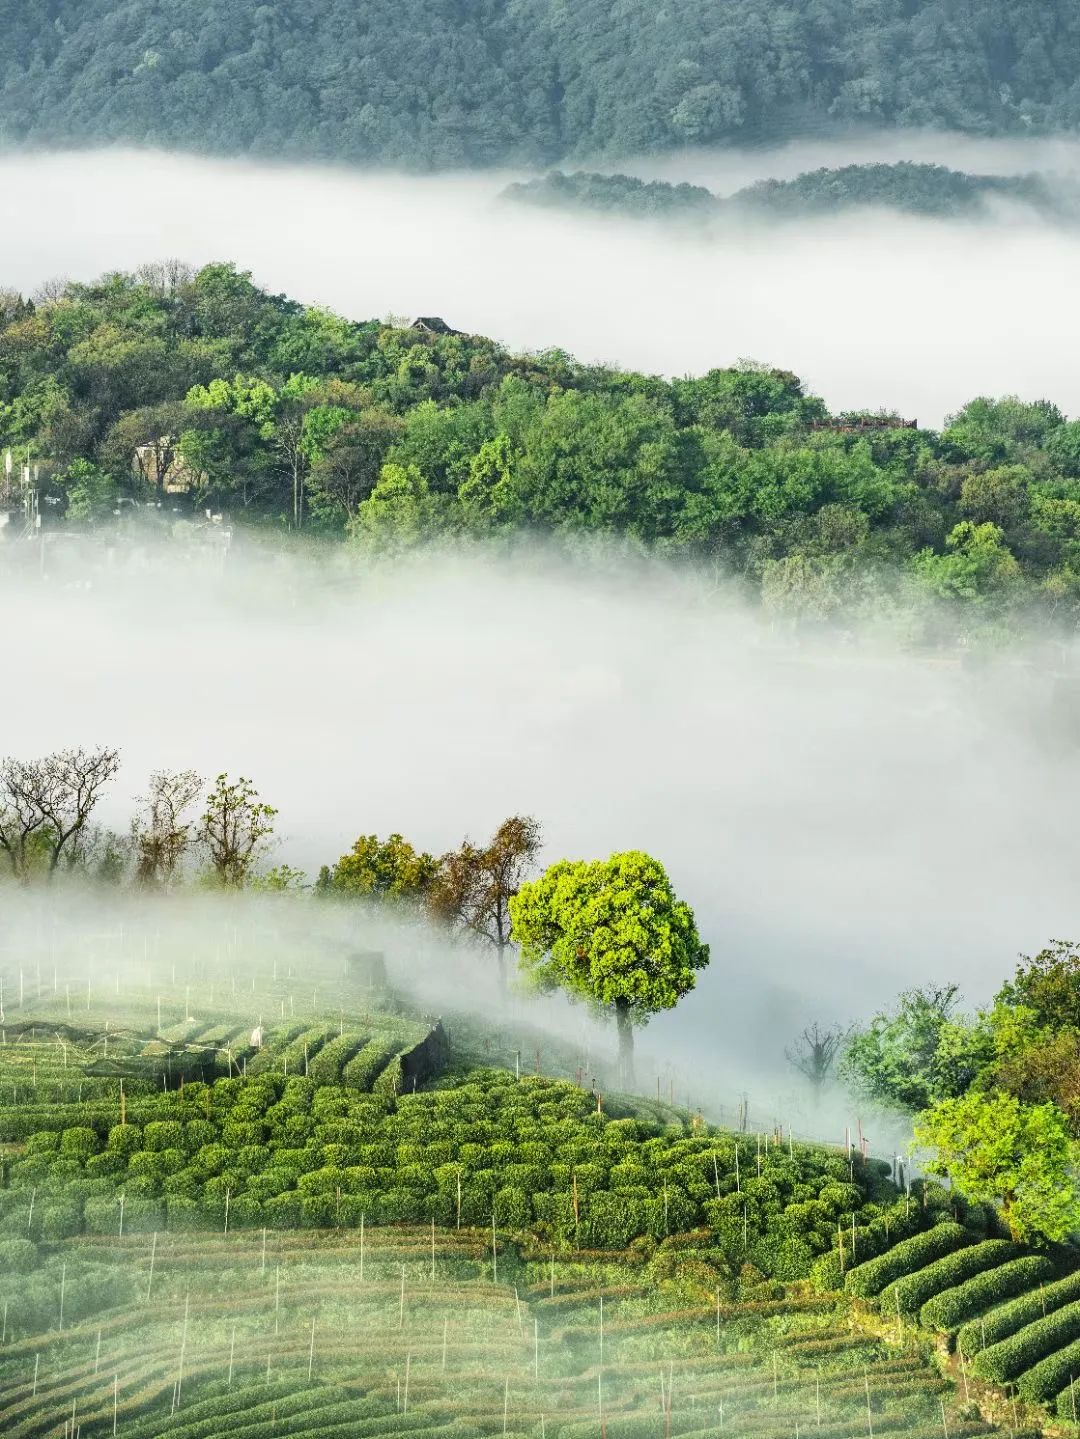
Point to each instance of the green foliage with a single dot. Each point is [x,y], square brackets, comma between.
[389,869]
[1008,1319]
[522,84]
[869,1279]
[949,1311]
[996,1149]
[611,931]
[910,1292]
[918,1055]
[1009,1358]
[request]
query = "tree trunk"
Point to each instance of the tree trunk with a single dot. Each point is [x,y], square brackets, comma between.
[625,1025]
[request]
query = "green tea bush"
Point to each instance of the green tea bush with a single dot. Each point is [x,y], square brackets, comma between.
[869,1279]
[999,1363]
[1009,1318]
[912,1291]
[948,1311]
[1051,1375]
[361,1070]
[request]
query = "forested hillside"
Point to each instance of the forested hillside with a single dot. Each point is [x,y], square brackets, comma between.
[428,84]
[197,391]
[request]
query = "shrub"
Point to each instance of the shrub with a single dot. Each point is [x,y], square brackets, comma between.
[78,1143]
[165,1134]
[948,1311]
[1002,1362]
[1007,1319]
[869,1279]
[911,1291]
[1051,1375]
[17,1256]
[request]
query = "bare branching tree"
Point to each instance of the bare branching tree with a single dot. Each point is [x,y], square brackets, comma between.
[236,829]
[474,886]
[45,804]
[161,831]
[814,1054]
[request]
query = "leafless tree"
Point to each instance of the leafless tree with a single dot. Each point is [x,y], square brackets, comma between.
[474,886]
[46,803]
[814,1054]
[161,831]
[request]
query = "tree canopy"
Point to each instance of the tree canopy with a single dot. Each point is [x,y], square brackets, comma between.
[169,390]
[612,932]
[415,83]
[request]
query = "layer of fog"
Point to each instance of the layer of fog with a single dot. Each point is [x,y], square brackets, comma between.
[846,820]
[872,310]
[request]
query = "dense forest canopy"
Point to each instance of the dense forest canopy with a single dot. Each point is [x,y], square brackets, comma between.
[195,391]
[425,84]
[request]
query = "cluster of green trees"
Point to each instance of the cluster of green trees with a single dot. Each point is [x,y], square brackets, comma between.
[146,384]
[996,1094]
[425,85]
[610,932]
[533,1155]
[911,188]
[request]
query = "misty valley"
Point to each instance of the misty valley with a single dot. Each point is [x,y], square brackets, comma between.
[540,720]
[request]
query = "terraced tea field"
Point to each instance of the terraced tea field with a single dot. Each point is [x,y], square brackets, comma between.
[416,1330]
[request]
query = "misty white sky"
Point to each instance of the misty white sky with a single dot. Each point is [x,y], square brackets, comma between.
[872,311]
[845,823]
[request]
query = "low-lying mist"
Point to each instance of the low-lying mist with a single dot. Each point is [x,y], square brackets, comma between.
[846,819]
[871,310]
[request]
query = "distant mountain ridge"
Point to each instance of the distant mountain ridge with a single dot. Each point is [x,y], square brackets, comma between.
[433,84]
[909,188]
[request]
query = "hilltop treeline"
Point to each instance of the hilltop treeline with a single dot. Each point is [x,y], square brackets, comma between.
[910,188]
[427,85]
[201,390]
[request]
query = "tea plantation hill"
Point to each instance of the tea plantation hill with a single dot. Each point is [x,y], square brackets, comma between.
[299,1242]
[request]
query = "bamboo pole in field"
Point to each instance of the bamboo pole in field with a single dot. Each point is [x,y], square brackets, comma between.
[869,1415]
[944,1425]
[361,1249]
[262,1264]
[506,1400]
[97,1352]
[232,1354]
[277,1299]
[401,1303]
[433,1251]
[445,1326]
[183,1351]
[601,1331]
[115,1398]
[536,1350]
[494,1254]
[37,1362]
[716,1175]
[153,1254]
[963,1371]
[718,1318]
[408,1366]
[63,1286]
[311,1350]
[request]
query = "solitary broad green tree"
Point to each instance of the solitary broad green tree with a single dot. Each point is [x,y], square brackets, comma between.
[611,931]
[996,1149]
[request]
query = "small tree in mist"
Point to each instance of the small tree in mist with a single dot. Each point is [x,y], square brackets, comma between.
[236,829]
[613,932]
[814,1054]
[388,870]
[161,832]
[46,804]
[475,884]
